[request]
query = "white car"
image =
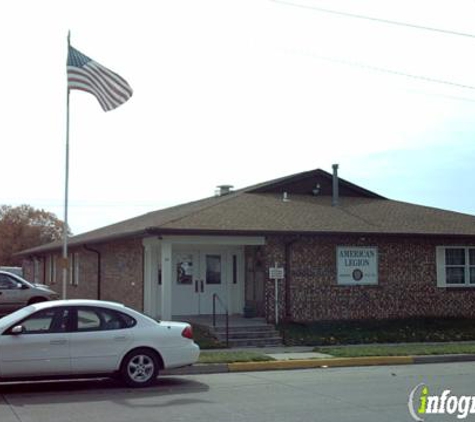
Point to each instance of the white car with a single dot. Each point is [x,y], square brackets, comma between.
[75,338]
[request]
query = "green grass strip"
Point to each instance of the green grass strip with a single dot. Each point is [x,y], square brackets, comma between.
[398,350]
[230,357]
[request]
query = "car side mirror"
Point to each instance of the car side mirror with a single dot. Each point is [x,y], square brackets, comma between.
[22,286]
[18,329]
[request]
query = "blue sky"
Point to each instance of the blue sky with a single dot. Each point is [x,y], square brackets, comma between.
[236,92]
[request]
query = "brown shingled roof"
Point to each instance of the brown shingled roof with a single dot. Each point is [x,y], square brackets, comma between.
[260,209]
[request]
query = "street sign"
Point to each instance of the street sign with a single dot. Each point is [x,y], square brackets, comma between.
[276,273]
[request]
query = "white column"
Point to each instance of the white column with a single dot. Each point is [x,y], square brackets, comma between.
[166,256]
[148,279]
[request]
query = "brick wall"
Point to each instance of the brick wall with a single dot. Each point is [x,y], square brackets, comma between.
[121,272]
[407,281]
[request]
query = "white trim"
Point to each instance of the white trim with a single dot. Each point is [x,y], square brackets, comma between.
[215,240]
[150,241]
[147,273]
[166,258]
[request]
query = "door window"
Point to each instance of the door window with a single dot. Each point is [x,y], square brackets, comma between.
[213,269]
[184,269]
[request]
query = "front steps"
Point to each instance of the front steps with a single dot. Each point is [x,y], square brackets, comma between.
[257,334]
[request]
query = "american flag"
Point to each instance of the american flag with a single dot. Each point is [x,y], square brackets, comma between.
[85,74]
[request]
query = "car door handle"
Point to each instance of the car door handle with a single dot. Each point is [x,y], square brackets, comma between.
[120,338]
[202,286]
[60,342]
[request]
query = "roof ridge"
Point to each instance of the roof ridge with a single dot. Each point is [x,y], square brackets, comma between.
[238,192]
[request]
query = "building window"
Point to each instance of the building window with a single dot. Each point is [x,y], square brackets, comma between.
[74,269]
[52,269]
[36,270]
[456,266]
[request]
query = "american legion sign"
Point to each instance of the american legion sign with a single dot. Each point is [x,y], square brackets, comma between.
[357,265]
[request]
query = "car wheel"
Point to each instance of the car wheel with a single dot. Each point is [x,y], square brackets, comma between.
[140,368]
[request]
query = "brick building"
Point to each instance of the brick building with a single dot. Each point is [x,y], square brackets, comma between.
[346,252]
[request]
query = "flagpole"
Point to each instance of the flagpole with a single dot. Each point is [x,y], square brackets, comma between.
[66,192]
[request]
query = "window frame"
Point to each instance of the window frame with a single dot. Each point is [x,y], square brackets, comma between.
[442,267]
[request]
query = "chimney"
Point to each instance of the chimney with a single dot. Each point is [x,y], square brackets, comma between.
[224,190]
[335,197]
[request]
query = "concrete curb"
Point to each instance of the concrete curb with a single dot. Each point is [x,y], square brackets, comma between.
[319,363]
[443,358]
[316,363]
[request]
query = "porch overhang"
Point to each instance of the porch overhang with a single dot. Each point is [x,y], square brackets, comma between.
[162,247]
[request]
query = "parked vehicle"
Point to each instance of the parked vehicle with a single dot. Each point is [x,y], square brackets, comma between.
[76,338]
[14,270]
[16,292]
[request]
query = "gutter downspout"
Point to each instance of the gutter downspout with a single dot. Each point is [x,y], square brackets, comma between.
[99,276]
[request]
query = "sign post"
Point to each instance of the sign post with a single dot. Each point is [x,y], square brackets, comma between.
[277,273]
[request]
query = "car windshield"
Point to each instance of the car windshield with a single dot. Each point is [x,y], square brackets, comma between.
[15,316]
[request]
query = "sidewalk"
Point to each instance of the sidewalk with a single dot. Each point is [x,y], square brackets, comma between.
[304,358]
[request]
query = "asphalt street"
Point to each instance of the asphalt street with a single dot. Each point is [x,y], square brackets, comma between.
[325,394]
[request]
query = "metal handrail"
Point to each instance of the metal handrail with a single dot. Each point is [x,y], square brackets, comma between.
[216,296]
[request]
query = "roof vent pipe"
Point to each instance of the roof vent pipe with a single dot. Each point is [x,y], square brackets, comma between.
[335,197]
[224,190]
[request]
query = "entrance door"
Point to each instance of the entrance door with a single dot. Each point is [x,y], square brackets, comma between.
[213,281]
[186,283]
[197,276]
